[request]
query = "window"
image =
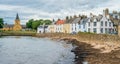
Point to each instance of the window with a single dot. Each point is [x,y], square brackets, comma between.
[75,28]
[110,30]
[101,23]
[105,30]
[72,28]
[56,28]
[88,29]
[105,23]
[89,24]
[95,23]
[94,30]
[109,24]
[79,26]
[83,26]
[116,17]
[60,29]
[101,30]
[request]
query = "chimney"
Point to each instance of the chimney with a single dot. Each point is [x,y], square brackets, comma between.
[106,12]
[91,15]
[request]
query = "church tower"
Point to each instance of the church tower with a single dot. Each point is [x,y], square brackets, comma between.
[17,26]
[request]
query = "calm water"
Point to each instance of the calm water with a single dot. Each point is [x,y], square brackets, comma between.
[30,50]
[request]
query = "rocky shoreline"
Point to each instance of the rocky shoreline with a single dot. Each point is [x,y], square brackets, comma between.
[85,52]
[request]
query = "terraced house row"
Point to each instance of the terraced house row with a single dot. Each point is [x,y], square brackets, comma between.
[107,23]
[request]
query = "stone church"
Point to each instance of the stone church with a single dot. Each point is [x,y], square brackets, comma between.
[16,27]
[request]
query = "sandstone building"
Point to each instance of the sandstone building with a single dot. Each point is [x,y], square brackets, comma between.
[16,27]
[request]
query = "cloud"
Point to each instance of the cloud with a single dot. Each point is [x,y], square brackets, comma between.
[49,9]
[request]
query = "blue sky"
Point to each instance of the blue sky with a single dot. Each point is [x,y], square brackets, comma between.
[49,9]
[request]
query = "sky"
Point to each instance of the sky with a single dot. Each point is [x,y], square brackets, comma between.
[52,9]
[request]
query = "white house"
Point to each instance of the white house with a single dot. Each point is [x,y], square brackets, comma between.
[42,29]
[78,25]
[100,24]
[82,25]
[75,25]
[59,28]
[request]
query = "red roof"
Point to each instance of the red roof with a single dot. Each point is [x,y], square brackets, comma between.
[60,22]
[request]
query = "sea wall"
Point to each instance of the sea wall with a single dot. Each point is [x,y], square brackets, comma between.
[104,42]
[17,33]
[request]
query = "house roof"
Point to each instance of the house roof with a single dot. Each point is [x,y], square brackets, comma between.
[76,20]
[84,20]
[8,26]
[114,20]
[98,18]
[60,22]
[23,26]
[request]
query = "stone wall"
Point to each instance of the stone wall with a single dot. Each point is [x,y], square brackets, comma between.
[106,43]
[119,30]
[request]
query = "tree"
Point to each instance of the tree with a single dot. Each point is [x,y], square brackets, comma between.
[29,23]
[1,23]
[33,24]
[47,22]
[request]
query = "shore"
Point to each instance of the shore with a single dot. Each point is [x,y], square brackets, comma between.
[87,52]
[91,48]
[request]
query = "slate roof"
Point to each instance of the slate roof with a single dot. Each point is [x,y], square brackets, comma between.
[76,20]
[98,18]
[114,20]
[17,17]
[8,26]
[84,20]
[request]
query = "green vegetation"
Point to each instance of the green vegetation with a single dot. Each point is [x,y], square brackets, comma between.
[33,24]
[1,22]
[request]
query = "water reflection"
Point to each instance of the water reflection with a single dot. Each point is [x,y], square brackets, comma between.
[30,50]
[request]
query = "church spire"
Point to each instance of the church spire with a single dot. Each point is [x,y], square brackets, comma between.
[17,17]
